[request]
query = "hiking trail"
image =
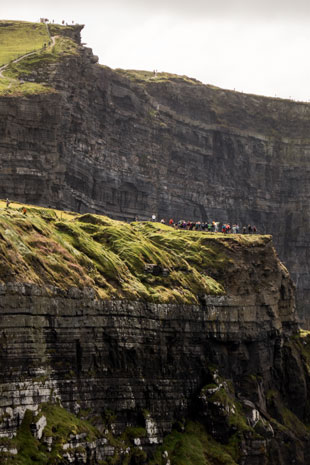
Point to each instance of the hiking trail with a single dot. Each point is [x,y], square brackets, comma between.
[4,67]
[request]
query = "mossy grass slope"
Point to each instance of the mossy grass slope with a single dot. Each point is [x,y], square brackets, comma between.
[62,428]
[286,419]
[10,88]
[193,446]
[61,425]
[50,247]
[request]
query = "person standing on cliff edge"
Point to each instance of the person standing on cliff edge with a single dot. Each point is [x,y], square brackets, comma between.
[7,203]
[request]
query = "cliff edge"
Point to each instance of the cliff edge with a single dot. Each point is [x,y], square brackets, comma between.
[77,135]
[140,344]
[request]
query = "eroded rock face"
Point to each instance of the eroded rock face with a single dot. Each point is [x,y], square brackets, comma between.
[179,149]
[150,365]
[127,356]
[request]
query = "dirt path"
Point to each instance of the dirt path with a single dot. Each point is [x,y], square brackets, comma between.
[15,61]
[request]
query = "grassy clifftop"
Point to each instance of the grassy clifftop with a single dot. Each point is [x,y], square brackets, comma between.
[18,38]
[141,76]
[26,48]
[146,260]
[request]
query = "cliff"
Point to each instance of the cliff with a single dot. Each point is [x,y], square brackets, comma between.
[137,343]
[76,135]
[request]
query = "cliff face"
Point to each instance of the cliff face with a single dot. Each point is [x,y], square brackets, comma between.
[86,379]
[128,143]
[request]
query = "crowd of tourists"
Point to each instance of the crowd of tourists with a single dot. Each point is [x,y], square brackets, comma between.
[212,226]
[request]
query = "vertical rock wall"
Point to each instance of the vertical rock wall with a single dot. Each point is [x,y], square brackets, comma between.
[139,364]
[107,144]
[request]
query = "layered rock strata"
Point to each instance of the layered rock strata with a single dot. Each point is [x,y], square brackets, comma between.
[128,144]
[123,364]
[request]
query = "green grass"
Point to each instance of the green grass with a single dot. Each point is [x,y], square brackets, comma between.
[301,343]
[286,419]
[303,333]
[148,76]
[194,446]
[63,47]
[60,425]
[235,415]
[10,88]
[28,447]
[18,38]
[65,250]
[220,398]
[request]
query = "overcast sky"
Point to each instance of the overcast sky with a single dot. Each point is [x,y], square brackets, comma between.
[259,46]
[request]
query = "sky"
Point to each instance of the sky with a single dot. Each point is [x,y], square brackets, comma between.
[253,46]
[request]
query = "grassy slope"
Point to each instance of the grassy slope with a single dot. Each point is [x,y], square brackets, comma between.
[60,425]
[10,88]
[18,38]
[193,446]
[63,47]
[148,76]
[46,246]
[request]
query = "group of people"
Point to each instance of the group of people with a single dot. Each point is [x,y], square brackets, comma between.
[47,21]
[213,226]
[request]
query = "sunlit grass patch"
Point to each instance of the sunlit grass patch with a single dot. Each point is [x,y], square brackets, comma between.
[52,53]
[10,88]
[18,38]
[304,333]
